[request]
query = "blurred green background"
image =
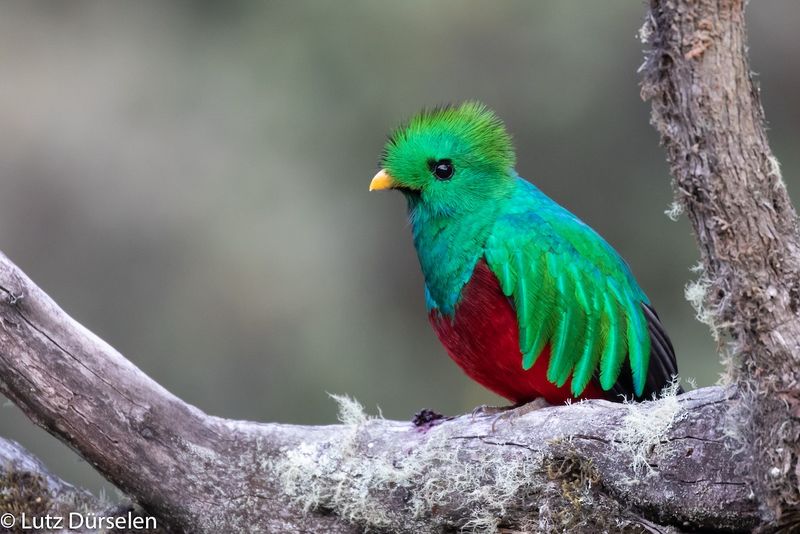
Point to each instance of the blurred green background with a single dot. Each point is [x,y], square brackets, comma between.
[189,180]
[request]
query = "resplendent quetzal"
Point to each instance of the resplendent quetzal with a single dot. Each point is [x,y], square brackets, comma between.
[527,299]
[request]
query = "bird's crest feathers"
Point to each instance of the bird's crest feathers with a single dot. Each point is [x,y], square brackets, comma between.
[467,128]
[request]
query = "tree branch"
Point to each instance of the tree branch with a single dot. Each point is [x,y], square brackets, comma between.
[28,487]
[665,462]
[26,484]
[709,114]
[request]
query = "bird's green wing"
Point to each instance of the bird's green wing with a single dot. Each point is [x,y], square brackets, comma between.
[571,290]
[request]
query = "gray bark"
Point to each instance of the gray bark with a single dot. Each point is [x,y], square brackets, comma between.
[592,465]
[683,462]
[709,114]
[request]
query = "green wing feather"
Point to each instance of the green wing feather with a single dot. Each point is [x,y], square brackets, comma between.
[613,352]
[571,290]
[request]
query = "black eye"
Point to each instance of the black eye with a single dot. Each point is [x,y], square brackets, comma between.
[443,169]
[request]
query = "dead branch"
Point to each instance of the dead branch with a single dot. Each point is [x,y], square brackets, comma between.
[668,461]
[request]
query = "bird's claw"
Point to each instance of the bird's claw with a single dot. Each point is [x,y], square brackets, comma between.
[427,417]
[509,413]
[486,410]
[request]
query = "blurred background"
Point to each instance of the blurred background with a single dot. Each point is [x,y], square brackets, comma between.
[189,181]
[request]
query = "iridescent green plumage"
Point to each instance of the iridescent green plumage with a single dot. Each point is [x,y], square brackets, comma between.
[570,290]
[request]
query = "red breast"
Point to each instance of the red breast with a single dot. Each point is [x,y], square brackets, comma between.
[483,339]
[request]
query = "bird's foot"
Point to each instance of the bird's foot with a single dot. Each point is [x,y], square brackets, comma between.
[485,410]
[509,413]
[426,418]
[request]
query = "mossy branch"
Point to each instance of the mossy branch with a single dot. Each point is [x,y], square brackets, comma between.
[28,488]
[590,465]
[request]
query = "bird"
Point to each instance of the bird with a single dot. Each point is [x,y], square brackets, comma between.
[527,299]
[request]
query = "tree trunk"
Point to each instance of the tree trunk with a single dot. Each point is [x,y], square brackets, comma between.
[708,111]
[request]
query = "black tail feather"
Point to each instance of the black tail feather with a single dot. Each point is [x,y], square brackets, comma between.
[661,371]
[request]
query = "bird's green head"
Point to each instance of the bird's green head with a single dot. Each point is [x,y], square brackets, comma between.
[448,160]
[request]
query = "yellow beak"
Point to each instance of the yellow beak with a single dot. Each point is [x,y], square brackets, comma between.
[380,181]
